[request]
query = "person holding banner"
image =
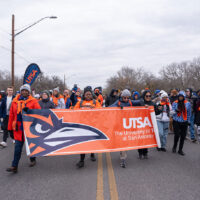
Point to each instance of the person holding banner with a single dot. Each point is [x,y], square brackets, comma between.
[147,101]
[87,102]
[22,102]
[125,101]
[181,121]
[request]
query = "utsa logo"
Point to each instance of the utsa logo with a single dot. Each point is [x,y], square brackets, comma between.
[45,133]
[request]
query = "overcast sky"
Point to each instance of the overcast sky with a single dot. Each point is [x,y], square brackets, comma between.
[91,40]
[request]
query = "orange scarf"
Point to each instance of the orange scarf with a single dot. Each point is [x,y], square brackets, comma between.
[184,112]
[79,98]
[55,99]
[21,104]
[167,103]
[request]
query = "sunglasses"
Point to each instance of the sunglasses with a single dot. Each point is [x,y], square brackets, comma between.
[148,96]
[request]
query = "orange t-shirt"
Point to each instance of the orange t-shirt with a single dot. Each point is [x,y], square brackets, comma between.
[87,104]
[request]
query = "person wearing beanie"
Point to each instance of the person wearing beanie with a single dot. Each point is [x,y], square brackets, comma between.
[87,102]
[181,119]
[58,99]
[22,102]
[76,95]
[125,101]
[163,111]
[192,99]
[45,102]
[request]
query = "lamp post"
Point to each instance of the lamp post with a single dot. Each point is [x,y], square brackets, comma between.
[13,43]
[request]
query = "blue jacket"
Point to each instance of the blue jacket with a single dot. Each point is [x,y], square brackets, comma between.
[136,93]
[123,104]
[3,107]
[68,103]
[180,118]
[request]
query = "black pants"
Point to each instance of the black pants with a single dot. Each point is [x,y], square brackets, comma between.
[82,156]
[143,152]
[5,129]
[180,131]
[18,153]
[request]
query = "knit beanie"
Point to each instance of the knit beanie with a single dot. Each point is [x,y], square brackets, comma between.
[25,87]
[125,93]
[182,93]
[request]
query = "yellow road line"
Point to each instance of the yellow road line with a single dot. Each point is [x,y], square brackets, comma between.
[111,176]
[100,195]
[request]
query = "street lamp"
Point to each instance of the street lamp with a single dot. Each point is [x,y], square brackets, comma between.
[13,41]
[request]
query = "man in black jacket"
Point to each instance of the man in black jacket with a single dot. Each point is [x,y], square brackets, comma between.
[112,97]
[4,114]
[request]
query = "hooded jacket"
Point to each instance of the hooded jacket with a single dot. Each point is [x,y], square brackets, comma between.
[15,117]
[111,98]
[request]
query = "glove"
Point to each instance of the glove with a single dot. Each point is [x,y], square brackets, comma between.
[26,109]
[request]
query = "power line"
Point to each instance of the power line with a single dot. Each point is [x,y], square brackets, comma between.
[17,54]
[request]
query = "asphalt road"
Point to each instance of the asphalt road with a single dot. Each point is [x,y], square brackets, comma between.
[164,176]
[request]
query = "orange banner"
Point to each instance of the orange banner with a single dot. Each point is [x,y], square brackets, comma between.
[61,132]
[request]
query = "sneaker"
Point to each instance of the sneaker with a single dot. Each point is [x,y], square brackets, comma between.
[181,153]
[3,144]
[193,140]
[92,158]
[123,164]
[80,164]
[12,169]
[32,163]
[163,149]
[158,149]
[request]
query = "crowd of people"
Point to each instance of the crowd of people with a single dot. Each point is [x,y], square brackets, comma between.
[176,112]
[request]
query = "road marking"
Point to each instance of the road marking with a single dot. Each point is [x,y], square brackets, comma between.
[111,176]
[100,195]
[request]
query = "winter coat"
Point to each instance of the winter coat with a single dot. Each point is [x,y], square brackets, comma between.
[121,103]
[180,118]
[3,107]
[111,98]
[15,118]
[46,104]
[164,114]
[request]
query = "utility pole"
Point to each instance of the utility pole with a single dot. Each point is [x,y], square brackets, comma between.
[13,52]
[64,81]
[13,43]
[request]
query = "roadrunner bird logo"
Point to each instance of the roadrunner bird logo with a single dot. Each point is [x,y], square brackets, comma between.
[46,133]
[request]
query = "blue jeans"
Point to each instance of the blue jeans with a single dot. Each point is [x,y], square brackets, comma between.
[163,128]
[192,133]
[18,153]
